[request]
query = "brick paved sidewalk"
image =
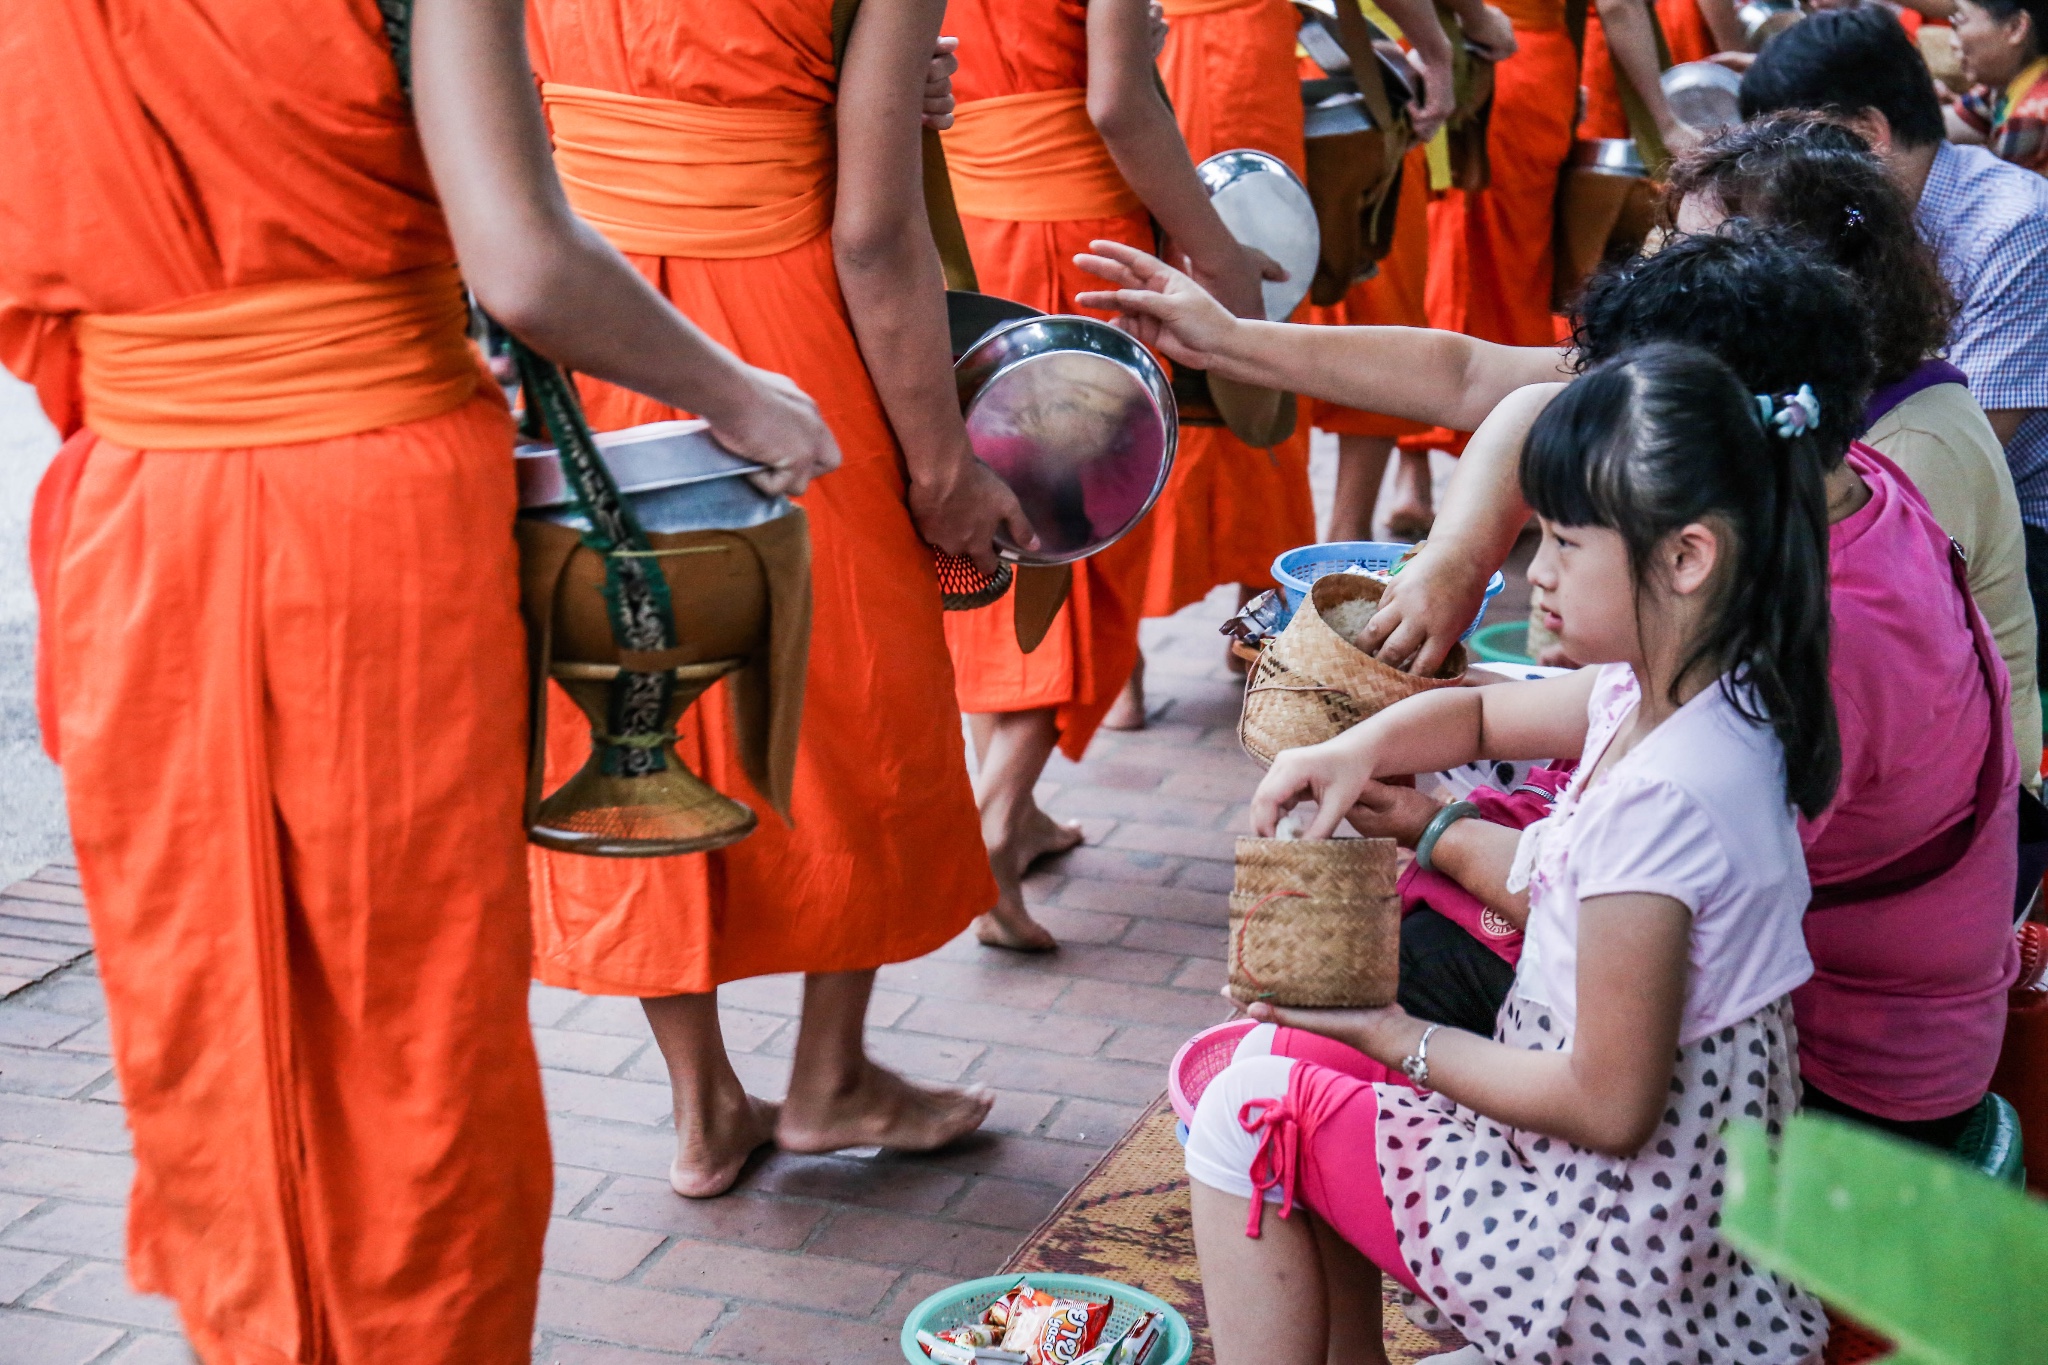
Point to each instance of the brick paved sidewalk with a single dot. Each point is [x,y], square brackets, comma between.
[814,1259]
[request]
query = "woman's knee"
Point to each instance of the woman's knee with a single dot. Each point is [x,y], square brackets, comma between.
[1220,1151]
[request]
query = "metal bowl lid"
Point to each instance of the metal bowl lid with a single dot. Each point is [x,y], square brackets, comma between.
[676,476]
[1078,419]
[1265,206]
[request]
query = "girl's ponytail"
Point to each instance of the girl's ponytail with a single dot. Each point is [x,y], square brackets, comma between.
[1667,437]
[1772,629]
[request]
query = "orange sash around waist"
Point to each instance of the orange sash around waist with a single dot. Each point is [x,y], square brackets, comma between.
[1181,9]
[276,364]
[665,178]
[1034,159]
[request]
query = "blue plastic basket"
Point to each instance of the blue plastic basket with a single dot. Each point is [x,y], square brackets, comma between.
[1296,569]
[964,1303]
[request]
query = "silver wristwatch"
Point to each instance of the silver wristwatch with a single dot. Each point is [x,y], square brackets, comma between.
[1416,1064]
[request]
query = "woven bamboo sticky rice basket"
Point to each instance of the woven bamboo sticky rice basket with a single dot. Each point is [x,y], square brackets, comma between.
[1315,923]
[1312,684]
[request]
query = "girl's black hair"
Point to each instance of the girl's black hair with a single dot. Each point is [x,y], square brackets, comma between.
[1761,300]
[1817,179]
[1667,436]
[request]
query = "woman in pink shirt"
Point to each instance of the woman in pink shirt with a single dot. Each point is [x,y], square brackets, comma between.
[1915,862]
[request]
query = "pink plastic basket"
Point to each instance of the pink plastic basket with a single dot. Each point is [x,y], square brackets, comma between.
[1200,1060]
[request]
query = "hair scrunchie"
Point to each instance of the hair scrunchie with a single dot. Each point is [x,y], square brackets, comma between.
[1793,414]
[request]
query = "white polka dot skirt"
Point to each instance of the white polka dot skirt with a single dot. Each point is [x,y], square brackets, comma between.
[1542,1252]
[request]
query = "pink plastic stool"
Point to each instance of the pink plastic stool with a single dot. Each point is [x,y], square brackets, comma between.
[1200,1060]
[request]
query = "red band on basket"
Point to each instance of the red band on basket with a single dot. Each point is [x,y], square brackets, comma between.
[1248,915]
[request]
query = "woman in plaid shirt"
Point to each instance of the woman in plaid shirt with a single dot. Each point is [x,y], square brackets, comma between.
[2000,44]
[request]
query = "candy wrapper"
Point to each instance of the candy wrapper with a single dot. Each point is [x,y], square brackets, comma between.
[1260,619]
[954,1352]
[1128,1349]
[971,1335]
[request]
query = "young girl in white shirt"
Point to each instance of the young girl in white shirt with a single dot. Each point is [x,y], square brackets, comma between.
[1554,1192]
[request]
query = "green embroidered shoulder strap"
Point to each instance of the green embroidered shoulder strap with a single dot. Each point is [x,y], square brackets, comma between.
[635,589]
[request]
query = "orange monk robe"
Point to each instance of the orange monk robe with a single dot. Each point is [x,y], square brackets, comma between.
[1685,31]
[1490,250]
[285,670]
[1393,297]
[1230,69]
[1040,53]
[885,860]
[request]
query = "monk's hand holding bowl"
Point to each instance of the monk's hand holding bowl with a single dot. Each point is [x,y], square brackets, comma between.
[776,425]
[963,507]
[1158,305]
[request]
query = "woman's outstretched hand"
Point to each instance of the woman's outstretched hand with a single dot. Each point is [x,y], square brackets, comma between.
[1157,304]
[1329,774]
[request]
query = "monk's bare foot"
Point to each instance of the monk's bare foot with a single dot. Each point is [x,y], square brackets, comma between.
[1011,852]
[881,1109]
[711,1154]
[1411,520]
[1127,712]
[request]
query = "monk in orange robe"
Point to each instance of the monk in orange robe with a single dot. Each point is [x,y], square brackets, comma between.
[282,659]
[1229,68]
[1490,249]
[1396,295]
[775,196]
[1621,35]
[1061,139]
[1393,297]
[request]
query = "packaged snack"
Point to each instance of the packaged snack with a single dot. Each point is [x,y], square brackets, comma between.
[1058,1333]
[1128,1349]
[1002,1310]
[970,1334]
[945,1352]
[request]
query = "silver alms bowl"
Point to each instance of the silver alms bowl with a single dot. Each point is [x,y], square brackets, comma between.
[1079,420]
[1265,206]
[1609,156]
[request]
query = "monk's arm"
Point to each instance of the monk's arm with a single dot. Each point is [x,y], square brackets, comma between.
[894,286]
[548,276]
[1136,124]
[1633,42]
[1722,24]
[1431,47]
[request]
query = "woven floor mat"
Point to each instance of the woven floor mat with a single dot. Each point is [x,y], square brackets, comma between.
[1128,1220]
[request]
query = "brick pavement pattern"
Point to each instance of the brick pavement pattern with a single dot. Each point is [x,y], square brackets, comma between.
[813,1260]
